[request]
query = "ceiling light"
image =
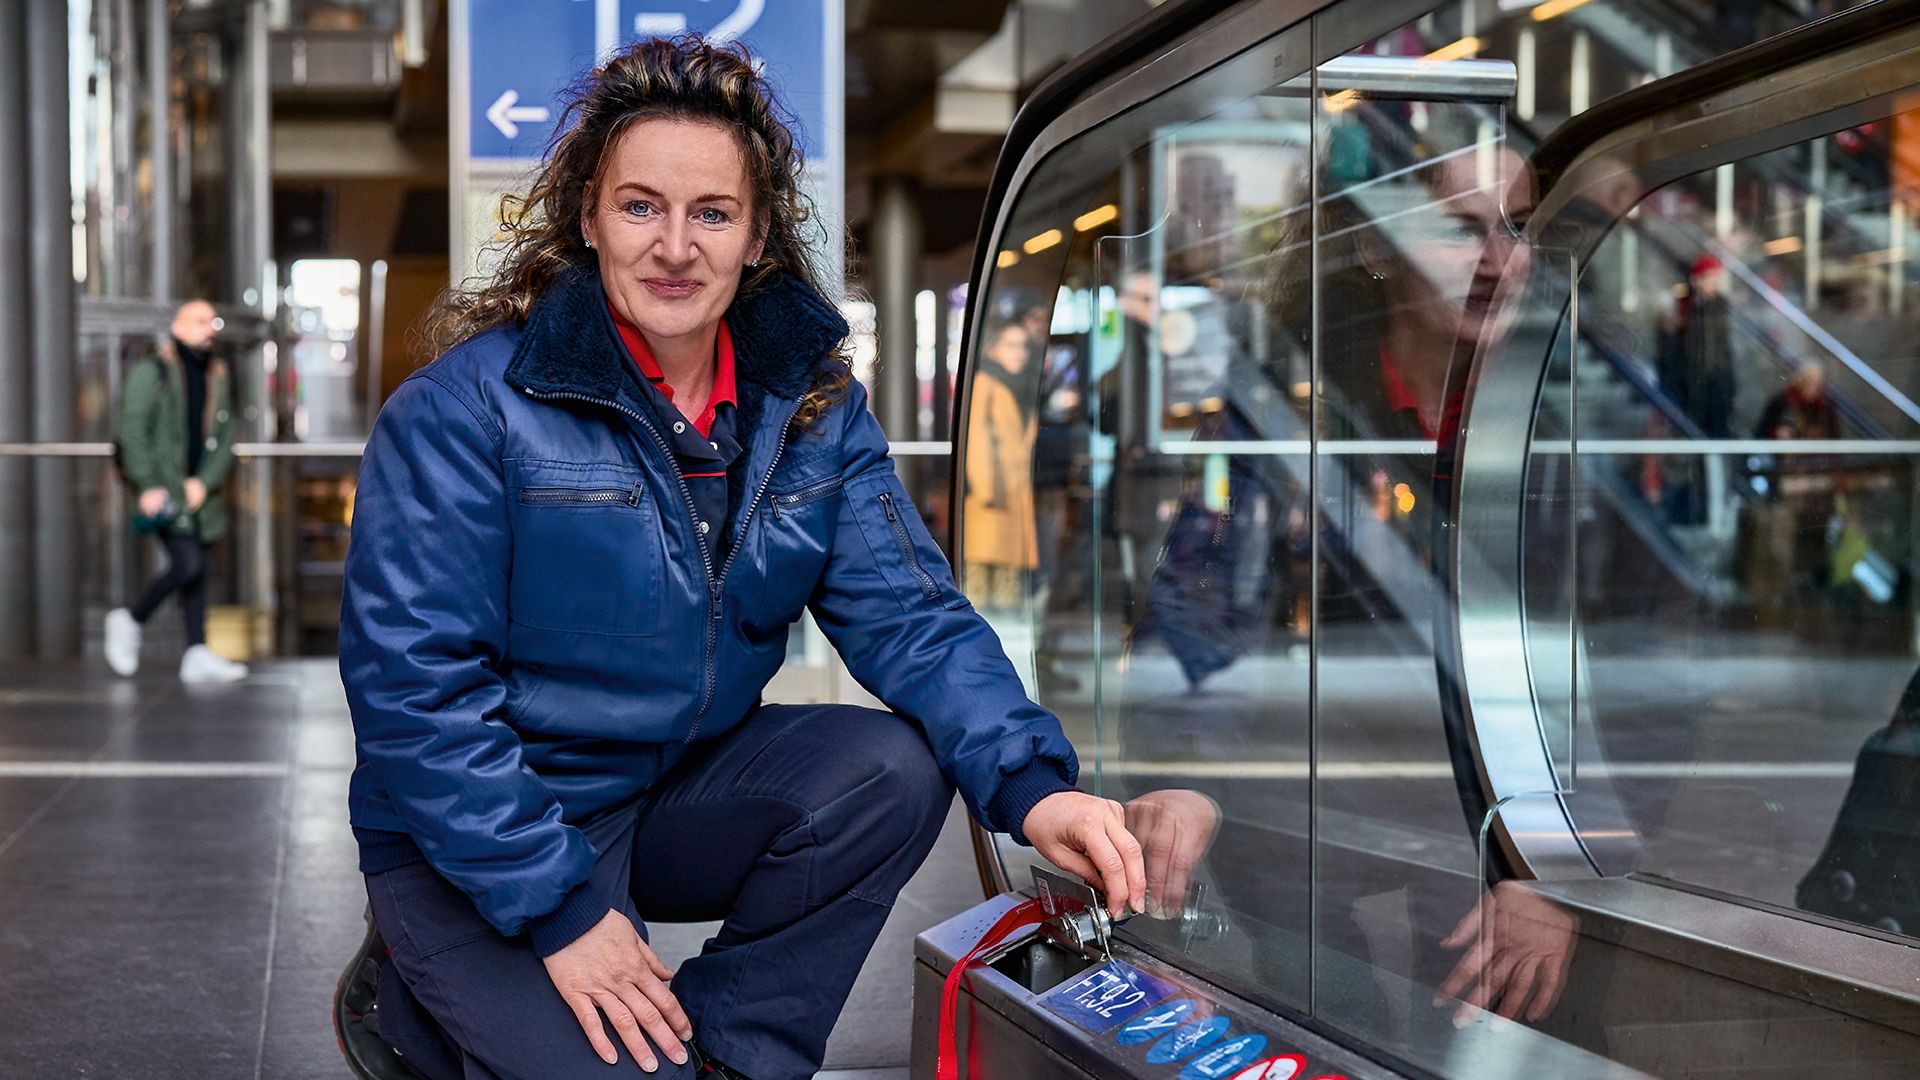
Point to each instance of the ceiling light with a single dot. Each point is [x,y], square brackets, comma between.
[1555,8]
[1096,217]
[1458,50]
[1036,245]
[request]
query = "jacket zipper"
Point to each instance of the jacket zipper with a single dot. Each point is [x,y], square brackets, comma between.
[791,499]
[739,541]
[905,541]
[562,496]
[714,583]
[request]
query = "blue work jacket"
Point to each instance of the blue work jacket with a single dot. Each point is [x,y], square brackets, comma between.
[533,629]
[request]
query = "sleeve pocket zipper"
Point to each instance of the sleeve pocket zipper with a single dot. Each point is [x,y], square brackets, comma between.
[905,541]
[789,500]
[564,496]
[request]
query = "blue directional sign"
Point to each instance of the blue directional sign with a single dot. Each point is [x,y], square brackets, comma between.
[523,54]
[521,57]
[788,37]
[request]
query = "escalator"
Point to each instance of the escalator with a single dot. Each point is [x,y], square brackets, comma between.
[1689,520]
[1356,599]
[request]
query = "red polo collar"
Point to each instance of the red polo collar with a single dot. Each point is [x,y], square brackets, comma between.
[1399,398]
[724,389]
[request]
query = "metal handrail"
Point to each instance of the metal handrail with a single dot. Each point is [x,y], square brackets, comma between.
[907,448]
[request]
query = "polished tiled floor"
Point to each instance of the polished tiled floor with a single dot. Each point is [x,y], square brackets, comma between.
[178,892]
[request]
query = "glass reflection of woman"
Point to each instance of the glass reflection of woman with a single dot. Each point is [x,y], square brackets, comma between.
[1412,268]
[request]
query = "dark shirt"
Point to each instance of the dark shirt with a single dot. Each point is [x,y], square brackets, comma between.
[706,447]
[193,362]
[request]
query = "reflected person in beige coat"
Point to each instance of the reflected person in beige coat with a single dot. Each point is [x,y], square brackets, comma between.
[998,522]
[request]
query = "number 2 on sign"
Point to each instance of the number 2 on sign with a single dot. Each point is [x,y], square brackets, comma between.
[1104,994]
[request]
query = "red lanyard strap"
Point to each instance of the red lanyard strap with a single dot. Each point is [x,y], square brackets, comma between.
[1017,918]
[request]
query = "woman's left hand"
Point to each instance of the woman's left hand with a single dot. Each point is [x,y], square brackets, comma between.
[1088,836]
[1518,947]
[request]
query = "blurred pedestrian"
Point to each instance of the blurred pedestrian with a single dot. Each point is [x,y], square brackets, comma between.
[1001,544]
[175,448]
[1707,337]
[1802,410]
[1788,552]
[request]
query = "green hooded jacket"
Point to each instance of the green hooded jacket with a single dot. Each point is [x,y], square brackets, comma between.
[152,439]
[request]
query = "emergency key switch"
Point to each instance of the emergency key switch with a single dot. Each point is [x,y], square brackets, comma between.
[1076,920]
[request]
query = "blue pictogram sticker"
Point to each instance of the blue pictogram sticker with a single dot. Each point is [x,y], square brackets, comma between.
[1154,1023]
[1223,1059]
[1195,1036]
[1109,995]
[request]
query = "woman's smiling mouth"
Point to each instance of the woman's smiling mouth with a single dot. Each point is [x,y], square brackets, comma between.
[671,288]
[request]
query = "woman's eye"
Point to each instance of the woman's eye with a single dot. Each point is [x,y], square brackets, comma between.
[638,208]
[710,216]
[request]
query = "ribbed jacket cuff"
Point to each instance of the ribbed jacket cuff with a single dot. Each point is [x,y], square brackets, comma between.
[580,912]
[1021,791]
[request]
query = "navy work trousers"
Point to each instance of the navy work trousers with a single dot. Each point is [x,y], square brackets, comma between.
[797,828]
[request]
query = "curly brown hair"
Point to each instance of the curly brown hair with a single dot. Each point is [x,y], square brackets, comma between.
[684,78]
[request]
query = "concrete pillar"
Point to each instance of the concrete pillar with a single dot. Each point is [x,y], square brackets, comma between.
[16,371]
[897,252]
[56,567]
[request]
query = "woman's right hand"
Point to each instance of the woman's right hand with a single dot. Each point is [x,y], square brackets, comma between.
[152,501]
[610,969]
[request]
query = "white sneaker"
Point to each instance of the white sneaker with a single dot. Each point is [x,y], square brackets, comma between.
[203,665]
[123,642]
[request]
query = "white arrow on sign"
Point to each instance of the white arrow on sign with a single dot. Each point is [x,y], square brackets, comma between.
[740,21]
[508,116]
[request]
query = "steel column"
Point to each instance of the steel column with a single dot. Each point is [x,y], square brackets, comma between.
[16,365]
[51,332]
[158,74]
[254,286]
[897,251]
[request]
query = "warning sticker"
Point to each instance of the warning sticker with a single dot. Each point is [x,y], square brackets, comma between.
[1282,1067]
[1110,994]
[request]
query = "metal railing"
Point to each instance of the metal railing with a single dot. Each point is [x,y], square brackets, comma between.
[911,448]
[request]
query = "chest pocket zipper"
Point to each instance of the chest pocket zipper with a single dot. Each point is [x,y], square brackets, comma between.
[785,501]
[905,540]
[562,496]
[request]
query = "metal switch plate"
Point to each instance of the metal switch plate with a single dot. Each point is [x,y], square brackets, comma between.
[1076,916]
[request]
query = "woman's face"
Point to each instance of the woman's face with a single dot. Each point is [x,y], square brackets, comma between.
[1010,348]
[672,220]
[1450,256]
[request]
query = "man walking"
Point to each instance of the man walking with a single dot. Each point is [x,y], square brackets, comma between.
[175,444]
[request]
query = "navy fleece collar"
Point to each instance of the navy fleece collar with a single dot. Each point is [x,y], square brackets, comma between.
[782,331]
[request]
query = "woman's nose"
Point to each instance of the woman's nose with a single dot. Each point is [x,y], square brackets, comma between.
[676,242]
